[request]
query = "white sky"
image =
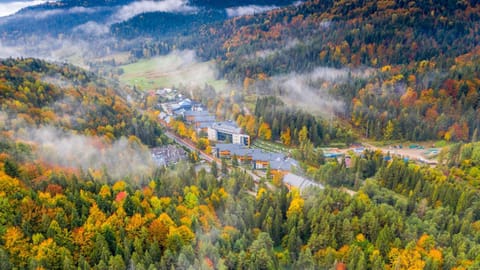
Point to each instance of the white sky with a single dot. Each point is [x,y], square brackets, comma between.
[9,7]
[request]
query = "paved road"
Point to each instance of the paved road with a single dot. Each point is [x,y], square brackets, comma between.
[203,155]
[190,146]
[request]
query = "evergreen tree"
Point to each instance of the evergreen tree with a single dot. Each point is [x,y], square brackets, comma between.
[214,169]
[224,167]
[129,205]
[305,260]
[11,168]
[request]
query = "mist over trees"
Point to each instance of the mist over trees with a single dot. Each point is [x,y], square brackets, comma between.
[77,190]
[406,215]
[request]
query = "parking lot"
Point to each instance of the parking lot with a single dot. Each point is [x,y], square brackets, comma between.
[167,155]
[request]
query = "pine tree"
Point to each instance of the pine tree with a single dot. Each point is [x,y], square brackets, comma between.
[11,168]
[224,168]
[305,260]
[214,169]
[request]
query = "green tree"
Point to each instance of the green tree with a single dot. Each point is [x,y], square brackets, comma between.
[224,167]
[116,263]
[389,129]
[11,168]
[262,256]
[235,161]
[305,260]
[4,261]
[384,240]
[303,135]
[129,205]
[214,169]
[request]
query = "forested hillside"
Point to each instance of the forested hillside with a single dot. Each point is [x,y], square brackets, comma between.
[420,61]
[406,217]
[79,189]
[54,216]
[342,33]
[125,19]
[35,93]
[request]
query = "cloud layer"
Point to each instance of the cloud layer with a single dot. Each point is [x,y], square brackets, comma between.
[129,11]
[248,10]
[300,92]
[119,159]
[310,91]
[11,7]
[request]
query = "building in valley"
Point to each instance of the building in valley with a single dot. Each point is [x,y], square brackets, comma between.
[259,159]
[229,132]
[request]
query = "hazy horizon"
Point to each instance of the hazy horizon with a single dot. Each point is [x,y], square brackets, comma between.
[11,7]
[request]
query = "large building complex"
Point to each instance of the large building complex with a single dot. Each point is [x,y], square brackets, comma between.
[200,120]
[259,159]
[227,132]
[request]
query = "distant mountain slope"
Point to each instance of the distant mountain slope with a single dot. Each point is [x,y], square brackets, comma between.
[75,17]
[218,4]
[422,58]
[343,33]
[412,50]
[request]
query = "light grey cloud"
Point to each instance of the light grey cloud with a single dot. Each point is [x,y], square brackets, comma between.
[42,14]
[93,28]
[120,158]
[120,13]
[269,52]
[248,10]
[11,7]
[310,91]
[75,50]
[8,51]
[129,11]
[298,3]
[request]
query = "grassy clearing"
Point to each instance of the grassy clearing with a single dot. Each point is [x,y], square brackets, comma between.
[169,71]
[270,146]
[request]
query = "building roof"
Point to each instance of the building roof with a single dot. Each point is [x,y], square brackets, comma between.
[284,165]
[185,102]
[205,124]
[229,147]
[300,182]
[179,111]
[196,113]
[207,118]
[277,161]
[227,127]
[267,156]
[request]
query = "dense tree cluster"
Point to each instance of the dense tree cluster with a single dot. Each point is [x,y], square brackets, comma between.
[34,93]
[406,216]
[342,33]
[424,54]
[421,82]
[402,215]
[286,124]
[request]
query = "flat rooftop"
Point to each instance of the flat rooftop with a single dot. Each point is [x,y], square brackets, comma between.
[227,127]
[300,182]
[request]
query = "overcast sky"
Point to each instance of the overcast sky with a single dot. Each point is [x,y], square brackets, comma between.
[9,7]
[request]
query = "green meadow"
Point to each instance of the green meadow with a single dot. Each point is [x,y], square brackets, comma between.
[170,71]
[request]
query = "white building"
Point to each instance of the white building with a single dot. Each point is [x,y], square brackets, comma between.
[227,132]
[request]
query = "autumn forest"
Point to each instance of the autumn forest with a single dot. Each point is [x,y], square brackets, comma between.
[362,79]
